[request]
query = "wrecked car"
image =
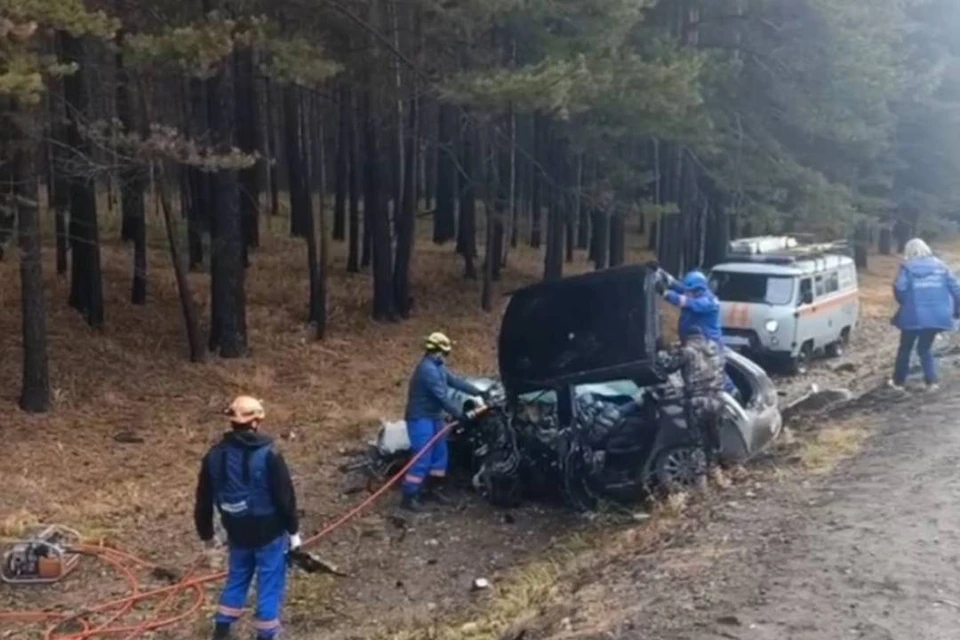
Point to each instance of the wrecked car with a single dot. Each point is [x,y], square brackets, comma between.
[580,411]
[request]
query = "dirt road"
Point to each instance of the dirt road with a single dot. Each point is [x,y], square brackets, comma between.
[871,551]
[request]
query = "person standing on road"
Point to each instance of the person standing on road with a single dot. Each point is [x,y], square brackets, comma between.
[248,482]
[700,363]
[428,398]
[929,299]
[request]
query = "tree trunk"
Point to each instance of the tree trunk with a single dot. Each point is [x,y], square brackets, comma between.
[343,166]
[323,266]
[356,187]
[291,135]
[248,142]
[299,164]
[86,286]
[35,390]
[132,185]
[901,233]
[601,239]
[886,241]
[58,151]
[467,233]
[536,228]
[377,219]
[228,327]
[583,219]
[444,215]
[191,320]
[200,182]
[272,134]
[556,215]
[407,216]
[512,199]
[618,232]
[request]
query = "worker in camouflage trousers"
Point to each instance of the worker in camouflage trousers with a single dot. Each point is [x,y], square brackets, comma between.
[428,398]
[701,365]
[248,482]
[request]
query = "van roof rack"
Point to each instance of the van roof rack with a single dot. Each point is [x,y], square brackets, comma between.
[783,250]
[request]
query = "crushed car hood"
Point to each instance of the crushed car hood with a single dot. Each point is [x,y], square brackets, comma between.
[590,328]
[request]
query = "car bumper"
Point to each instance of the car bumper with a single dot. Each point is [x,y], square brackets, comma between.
[767,425]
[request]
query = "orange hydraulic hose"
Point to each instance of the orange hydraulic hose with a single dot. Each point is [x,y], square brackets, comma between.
[116,558]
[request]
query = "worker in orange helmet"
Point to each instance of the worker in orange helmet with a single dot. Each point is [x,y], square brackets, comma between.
[248,482]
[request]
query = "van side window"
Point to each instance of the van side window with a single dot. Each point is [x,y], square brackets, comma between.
[818,286]
[847,277]
[806,289]
[833,283]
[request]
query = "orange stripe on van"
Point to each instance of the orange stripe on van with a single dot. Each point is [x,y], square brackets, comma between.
[737,316]
[827,304]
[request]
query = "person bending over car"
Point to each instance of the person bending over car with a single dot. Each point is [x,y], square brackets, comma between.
[429,397]
[699,307]
[699,311]
[700,363]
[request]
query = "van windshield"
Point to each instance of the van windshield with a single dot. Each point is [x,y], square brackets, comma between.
[752,287]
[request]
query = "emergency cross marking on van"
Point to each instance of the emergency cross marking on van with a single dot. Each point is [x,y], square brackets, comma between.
[785,300]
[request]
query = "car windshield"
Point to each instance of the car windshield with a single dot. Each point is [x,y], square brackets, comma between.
[752,287]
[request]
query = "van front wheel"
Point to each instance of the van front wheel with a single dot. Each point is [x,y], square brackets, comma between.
[800,362]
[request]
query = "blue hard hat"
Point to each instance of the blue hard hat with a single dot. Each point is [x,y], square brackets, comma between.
[694,280]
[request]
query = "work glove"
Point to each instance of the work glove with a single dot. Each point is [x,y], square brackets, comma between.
[212,553]
[472,414]
[295,542]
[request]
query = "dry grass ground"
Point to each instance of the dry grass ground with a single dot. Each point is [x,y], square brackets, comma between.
[66,467]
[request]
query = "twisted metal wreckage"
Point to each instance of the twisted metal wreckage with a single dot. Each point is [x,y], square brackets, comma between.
[580,412]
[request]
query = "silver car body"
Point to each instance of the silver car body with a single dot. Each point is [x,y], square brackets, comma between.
[747,428]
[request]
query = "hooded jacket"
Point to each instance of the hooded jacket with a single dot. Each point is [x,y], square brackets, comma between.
[249,531]
[928,295]
[702,311]
[429,393]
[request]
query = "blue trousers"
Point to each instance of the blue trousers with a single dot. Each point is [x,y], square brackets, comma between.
[434,462]
[923,340]
[269,563]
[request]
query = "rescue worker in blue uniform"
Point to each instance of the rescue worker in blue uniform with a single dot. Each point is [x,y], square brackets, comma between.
[428,398]
[698,305]
[699,310]
[248,482]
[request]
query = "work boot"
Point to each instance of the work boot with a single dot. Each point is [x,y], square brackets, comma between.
[221,631]
[433,492]
[411,502]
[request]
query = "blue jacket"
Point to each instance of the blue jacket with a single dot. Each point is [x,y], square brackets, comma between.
[928,295]
[703,311]
[429,393]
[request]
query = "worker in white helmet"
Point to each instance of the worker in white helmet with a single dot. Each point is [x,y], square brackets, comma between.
[248,482]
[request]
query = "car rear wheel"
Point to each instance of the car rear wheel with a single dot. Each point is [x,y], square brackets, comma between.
[680,469]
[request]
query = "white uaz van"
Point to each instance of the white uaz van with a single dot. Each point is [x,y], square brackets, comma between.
[783,300]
